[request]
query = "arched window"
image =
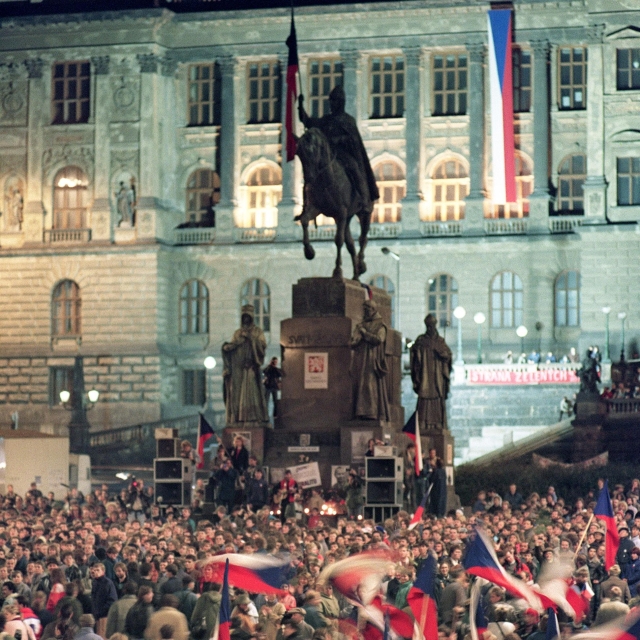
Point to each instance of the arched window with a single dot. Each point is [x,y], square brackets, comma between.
[567,297]
[386,284]
[507,300]
[70,199]
[442,299]
[524,187]
[256,292]
[571,176]
[203,193]
[449,188]
[264,191]
[194,308]
[65,309]
[392,187]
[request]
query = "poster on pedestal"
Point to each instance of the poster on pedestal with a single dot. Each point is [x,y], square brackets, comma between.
[316,370]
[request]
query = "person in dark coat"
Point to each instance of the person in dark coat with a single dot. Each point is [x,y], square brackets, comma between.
[138,616]
[438,498]
[239,455]
[226,478]
[173,584]
[257,491]
[623,557]
[103,595]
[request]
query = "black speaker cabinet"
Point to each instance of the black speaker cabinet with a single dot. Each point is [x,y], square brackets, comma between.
[168,448]
[384,492]
[173,492]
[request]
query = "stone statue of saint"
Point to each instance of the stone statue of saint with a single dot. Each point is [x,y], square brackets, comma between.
[346,143]
[242,359]
[369,367]
[430,361]
[589,373]
[125,201]
[14,210]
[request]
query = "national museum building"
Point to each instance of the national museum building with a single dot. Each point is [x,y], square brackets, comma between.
[145,198]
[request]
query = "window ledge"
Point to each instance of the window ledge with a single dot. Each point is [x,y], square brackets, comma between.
[66,343]
[629,213]
[194,341]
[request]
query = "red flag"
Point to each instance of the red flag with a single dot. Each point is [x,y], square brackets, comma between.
[205,431]
[292,93]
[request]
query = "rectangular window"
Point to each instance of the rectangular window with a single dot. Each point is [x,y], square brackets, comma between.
[263,92]
[628,69]
[70,92]
[521,80]
[572,78]
[204,94]
[60,379]
[628,181]
[387,86]
[194,387]
[324,75]
[449,74]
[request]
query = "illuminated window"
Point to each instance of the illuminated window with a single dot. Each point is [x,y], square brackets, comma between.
[203,192]
[507,300]
[442,299]
[524,187]
[521,80]
[392,187]
[386,284]
[65,309]
[449,188]
[70,199]
[387,86]
[628,181]
[571,177]
[567,291]
[70,90]
[263,83]
[628,69]
[572,78]
[204,94]
[194,307]
[256,292]
[324,75]
[449,84]
[264,191]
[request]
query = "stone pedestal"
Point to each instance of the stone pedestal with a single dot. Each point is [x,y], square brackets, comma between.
[124,234]
[317,397]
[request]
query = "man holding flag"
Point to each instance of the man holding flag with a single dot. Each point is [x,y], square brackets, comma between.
[604,512]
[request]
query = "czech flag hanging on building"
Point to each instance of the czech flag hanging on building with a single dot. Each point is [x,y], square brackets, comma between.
[412,430]
[292,93]
[205,431]
[501,77]
[604,512]
[225,607]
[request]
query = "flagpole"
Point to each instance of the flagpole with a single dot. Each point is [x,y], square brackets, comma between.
[584,533]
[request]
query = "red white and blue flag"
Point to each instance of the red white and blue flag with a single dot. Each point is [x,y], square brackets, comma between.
[417,516]
[412,431]
[478,622]
[254,573]
[604,512]
[628,629]
[292,92]
[501,93]
[205,431]
[224,625]
[421,599]
[481,560]
[553,628]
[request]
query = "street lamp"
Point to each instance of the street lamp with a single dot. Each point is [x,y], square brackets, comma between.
[459,313]
[622,316]
[210,365]
[396,257]
[479,319]
[607,358]
[521,332]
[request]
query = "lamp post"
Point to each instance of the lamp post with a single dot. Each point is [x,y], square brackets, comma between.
[210,365]
[459,313]
[521,332]
[607,358]
[479,319]
[396,257]
[622,316]
[78,403]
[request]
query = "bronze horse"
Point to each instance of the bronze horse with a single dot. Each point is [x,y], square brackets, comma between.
[328,190]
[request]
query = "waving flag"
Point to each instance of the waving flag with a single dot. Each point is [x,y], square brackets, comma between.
[255,573]
[629,629]
[205,431]
[225,607]
[553,628]
[421,599]
[501,77]
[400,623]
[604,512]
[417,516]
[292,93]
[478,622]
[480,560]
[412,430]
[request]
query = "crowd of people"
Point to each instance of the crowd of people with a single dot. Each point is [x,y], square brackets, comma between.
[106,566]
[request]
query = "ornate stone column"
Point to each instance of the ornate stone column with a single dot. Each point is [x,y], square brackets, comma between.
[101,211]
[350,60]
[229,150]
[474,207]
[289,206]
[539,200]
[413,202]
[595,186]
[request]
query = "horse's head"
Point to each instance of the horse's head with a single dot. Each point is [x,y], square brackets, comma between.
[313,148]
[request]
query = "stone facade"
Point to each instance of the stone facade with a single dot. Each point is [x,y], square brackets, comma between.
[138,131]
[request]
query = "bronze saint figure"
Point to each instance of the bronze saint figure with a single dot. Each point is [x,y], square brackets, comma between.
[369,367]
[338,178]
[430,373]
[243,358]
